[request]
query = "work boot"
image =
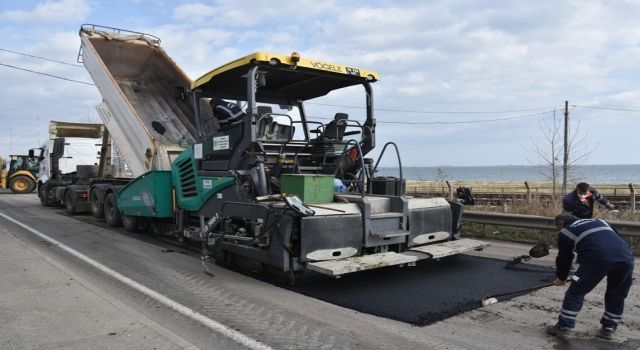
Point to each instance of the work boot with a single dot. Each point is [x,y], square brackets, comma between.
[558,330]
[606,333]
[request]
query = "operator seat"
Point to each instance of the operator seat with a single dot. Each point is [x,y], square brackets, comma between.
[334,130]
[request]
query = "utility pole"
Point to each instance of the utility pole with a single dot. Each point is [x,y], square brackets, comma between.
[10,141]
[565,162]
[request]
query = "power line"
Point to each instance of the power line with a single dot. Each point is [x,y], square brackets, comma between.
[42,58]
[431,112]
[471,121]
[326,104]
[47,74]
[609,108]
[355,107]
[457,122]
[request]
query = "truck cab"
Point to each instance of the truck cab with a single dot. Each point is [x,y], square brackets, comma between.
[69,160]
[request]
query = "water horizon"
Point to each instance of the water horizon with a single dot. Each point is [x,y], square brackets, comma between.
[594,173]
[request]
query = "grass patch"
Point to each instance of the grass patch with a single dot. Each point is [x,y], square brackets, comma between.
[525,235]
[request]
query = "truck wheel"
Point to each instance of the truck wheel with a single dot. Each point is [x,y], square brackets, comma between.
[69,202]
[22,184]
[111,212]
[131,223]
[43,193]
[96,207]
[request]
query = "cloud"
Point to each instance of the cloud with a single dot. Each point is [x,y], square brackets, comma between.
[50,11]
[247,13]
[197,12]
[441,55]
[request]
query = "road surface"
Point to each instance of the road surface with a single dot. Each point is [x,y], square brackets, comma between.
[155,295]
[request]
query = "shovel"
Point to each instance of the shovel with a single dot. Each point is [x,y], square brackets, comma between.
[537,251]
[492,299]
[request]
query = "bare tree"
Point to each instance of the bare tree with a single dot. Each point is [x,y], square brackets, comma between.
[442,177]
[547,153]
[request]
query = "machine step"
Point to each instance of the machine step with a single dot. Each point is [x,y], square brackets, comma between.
[340,267]
[448,248]
[360,263]
[390,234]
[386,215]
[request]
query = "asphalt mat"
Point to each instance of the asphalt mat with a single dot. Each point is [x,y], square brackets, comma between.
[429,292]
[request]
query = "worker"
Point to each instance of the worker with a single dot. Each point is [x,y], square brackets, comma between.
[465,196]
[601,253]
[579,202]
[226,113]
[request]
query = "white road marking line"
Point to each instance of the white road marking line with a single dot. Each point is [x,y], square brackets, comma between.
[186,311]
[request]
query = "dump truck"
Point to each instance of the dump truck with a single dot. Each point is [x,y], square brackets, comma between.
[20,177]
[75,154]
[272,186]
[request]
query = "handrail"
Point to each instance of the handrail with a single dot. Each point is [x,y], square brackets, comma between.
[88,26]
[399,160]
[349,122]
[346,122]
[264,116]
[626,228]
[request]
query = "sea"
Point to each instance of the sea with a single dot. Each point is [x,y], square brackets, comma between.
[596,174]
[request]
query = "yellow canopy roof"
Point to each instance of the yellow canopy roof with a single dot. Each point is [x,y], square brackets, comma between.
[285,78]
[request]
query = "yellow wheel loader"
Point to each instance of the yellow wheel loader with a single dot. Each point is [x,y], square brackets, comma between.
[22,173]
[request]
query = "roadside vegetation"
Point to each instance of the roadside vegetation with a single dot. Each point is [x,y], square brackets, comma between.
[511,198]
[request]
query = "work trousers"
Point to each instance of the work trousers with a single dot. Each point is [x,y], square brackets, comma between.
[619,277]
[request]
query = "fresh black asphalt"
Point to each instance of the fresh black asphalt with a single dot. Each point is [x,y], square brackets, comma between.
[429,292]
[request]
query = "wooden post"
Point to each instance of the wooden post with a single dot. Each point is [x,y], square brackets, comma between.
[526,184]
[565,161]
[450,191]
[632,198]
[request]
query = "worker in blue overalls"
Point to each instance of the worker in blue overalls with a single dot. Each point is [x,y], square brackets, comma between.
[601,253]
[580,201]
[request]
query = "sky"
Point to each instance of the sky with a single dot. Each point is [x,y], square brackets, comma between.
[462,83]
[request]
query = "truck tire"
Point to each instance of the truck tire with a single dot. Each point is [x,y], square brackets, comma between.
[69,202]
[43,194]
[131,223]
[111,212]
[97,208]
[22,184]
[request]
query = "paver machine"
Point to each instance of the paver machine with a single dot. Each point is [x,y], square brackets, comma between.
[274,185]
